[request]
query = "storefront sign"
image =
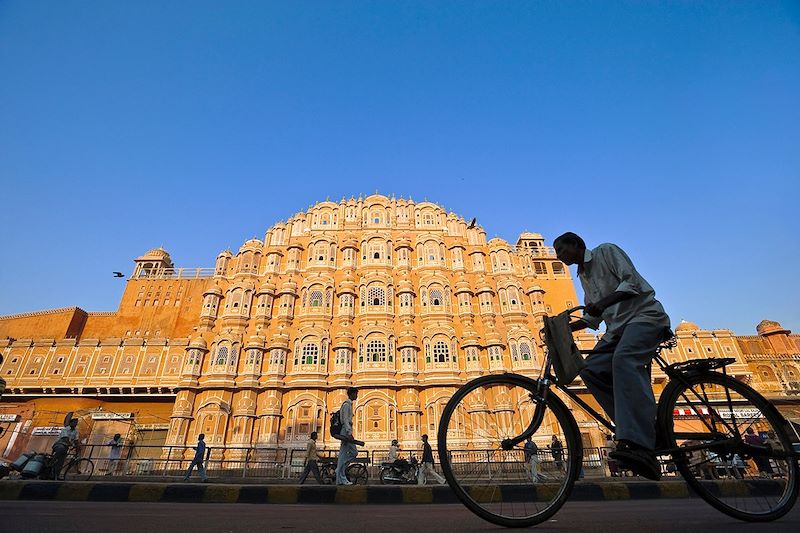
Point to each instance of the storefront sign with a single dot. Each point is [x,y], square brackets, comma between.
[8,417]
[46,431]
[112,416]
[740,413]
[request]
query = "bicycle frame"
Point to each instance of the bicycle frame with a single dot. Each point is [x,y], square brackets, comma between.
[547,379]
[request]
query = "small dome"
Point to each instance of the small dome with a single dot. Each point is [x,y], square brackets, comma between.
[256,341]
[267,287]
[687,326]
[156,254]
[252,244]
[462,286]
[769,327]
[225,253]
[534,288]
[199,343]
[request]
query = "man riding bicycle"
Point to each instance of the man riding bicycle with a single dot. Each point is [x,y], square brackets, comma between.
[617,370]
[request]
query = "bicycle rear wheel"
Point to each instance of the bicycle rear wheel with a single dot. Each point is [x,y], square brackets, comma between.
[756,483]
[79,470]
[357,474]
[498,485]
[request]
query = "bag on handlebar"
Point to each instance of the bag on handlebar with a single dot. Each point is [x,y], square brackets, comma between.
[567,359]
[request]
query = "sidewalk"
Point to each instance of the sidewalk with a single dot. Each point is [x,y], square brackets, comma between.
[102,491]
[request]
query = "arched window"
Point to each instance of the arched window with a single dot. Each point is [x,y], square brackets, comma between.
[558,268]
[222,355]
[436,297]
[310,354]
[525,351]
[376,351]
[376,296]
[316,298]
[441,353]
[431,253]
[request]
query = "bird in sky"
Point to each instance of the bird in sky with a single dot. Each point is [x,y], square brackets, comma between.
[472,223]
[119,275]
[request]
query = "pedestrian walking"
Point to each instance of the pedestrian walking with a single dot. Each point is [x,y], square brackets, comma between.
[613,467]
[557,451]
[199,458]
[427,464]
[311,459]
[114,454]
[347,450]
[532,459]
[762,463]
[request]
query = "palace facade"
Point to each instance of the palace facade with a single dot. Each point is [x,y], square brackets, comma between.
[404,300]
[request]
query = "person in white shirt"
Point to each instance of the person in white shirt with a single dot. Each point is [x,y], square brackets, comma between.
[347,450]
[617,371]
[114,454]
[67,438]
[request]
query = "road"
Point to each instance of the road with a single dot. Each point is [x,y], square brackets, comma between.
[85,517]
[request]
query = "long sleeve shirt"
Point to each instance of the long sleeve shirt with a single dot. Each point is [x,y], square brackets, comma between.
[346,416]
[607,269]
[200,451]
[392,453]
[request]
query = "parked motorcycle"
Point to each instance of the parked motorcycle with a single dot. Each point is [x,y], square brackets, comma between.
[399,472]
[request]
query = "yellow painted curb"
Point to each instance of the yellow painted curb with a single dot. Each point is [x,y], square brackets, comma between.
[221,494]
[615,491]
[78,492]
[417,495]
[146,493]
[733,489]
[486,493]
[282,494]
[351,495]
[674,490]
[10,491]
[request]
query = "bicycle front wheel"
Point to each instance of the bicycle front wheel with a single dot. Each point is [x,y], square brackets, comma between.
[78,470]
[738,472]
[518,487]
[357,474]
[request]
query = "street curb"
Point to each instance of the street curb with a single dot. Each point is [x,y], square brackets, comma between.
[104,491]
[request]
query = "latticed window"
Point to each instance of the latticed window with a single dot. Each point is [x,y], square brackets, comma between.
[316,298]
[525,351]
[376,351]
[310,354]
[252,356]
[436,297]
[472,354]
[407,355]
[376,296]
[222,355]
[514,353]
[494,353]
[441,353]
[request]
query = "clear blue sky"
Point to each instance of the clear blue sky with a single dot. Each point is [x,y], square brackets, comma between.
[670,128]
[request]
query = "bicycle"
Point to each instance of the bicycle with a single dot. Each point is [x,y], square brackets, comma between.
[77,469]
[702,418]
[355,472]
